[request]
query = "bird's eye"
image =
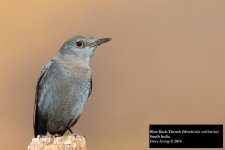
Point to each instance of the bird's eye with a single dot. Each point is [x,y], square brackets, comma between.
[79,44]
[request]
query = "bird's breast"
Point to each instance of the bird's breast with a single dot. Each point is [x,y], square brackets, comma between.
[72,87]
[76,78]
[77,69]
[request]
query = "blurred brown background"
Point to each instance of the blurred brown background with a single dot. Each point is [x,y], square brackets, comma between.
[165,64]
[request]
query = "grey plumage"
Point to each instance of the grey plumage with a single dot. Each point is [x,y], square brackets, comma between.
[64,86]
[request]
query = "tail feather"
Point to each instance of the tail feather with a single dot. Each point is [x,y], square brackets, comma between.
[39,124]
[36,132]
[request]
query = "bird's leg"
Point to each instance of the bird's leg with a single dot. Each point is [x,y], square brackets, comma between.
[70,130]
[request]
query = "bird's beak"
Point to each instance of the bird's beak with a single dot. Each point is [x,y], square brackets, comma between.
[101,41]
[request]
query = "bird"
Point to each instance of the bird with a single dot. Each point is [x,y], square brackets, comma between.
[64,85]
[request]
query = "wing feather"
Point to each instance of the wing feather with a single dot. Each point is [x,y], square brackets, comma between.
[90,89]
[37,95]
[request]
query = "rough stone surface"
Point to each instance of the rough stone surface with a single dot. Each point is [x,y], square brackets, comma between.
[66,142]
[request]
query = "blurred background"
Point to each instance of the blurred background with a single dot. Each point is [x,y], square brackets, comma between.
[165,64]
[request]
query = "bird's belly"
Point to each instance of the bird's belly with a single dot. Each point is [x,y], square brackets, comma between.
[72,94]
[69,99]
[65,91]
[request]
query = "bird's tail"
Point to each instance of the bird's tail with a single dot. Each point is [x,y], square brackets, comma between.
[38,123]
[36,133]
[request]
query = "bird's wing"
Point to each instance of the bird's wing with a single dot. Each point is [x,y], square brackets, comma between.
[90,89]
[37,94]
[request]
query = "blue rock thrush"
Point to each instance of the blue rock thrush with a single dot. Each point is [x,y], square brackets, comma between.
[64,86]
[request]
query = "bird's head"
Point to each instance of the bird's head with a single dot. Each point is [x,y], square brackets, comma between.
[82,47]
